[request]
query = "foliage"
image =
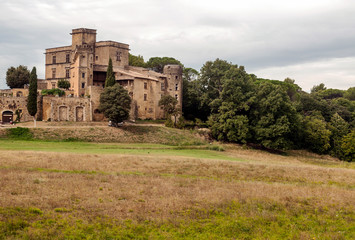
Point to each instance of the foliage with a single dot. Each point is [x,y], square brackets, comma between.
[63,84]
[115,103]
[339,128]
[32,94]
[157,63]
[17,77]
[318,88]
[350,94]
[53,92]
[137,61]
[18,115]
[19,133]
[110,75]
[231,120]
[191,93]
[273,118]
[317,136]
[169,105]
[348,147]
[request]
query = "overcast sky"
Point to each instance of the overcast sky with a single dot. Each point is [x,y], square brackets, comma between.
[311,41]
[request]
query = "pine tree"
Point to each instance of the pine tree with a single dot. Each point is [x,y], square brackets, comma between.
[110,76]
[32,95]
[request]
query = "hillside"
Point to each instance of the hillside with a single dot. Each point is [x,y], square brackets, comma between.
[88,190]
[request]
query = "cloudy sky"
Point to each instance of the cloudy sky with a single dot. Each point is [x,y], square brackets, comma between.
[311,41]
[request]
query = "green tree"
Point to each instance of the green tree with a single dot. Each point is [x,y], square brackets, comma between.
[63,84]
[318,88]
[273,118]
[17,77]
[157,63]
[348,147]
[317,136]
[115,103]
[230,120]
[32,95]
[350,94]
[136,61]
[170,108]
[339,128]
[190,94]
[110,75]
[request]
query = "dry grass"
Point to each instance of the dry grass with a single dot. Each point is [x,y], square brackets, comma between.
[159,187]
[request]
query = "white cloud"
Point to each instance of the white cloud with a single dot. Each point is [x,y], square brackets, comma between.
[258,34]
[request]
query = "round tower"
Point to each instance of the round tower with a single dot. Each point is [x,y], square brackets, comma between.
[174,81]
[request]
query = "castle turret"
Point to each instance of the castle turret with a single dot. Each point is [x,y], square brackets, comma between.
[174,81]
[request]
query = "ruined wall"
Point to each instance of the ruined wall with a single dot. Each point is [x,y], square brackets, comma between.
[66,109]
[12,104]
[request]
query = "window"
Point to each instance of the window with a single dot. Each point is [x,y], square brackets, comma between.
[67,73]
[67,58]
[53,85]
[145,85]
[162,86]
[176,96]
[118,56]
[97,58]
[176,87]
[82,85]
[83,75]
[54,59]
[176,77]
[145,97]
[53,73]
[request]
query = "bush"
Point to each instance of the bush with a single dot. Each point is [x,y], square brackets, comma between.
[169,122]
[19,133]
[53,92]
[63,84]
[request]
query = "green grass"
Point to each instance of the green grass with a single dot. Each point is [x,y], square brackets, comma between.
[251,220]
[116,148]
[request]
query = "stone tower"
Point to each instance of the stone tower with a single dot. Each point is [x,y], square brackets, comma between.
[83,52]
[174,81]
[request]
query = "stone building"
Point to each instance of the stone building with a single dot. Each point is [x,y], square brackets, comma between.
[84,65]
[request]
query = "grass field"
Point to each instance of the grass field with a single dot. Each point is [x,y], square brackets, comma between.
[83,190]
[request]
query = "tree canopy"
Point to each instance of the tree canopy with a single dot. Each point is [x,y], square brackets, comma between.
[157,63]
[115,103]
[17,77]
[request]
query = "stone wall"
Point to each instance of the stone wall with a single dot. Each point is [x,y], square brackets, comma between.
[11,104]
[67,109]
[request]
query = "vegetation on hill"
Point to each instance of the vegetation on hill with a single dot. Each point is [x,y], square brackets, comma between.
[241,108]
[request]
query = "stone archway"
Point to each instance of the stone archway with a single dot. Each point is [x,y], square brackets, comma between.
[7,116]
[79,114]
[19,94]
[63,113]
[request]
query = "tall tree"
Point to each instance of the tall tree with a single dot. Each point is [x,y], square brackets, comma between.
[17,77]
[115,103]
[32,95]
[137,61]
[157,63]
[110,75]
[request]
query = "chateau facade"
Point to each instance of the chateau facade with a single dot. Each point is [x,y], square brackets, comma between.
[84,64]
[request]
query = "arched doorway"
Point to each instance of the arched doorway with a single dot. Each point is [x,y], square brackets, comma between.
[79,115]
[63,113]
[7,116]
[19,94]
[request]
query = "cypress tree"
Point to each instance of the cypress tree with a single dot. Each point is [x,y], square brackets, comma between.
[32,95]
[110,76]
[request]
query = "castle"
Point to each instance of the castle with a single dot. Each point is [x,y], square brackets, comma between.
[84,64]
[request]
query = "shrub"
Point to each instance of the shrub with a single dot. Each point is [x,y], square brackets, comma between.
[63,84]
[19,133]
[53,92]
